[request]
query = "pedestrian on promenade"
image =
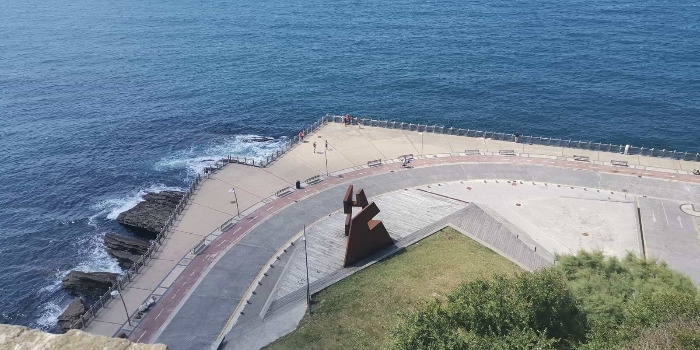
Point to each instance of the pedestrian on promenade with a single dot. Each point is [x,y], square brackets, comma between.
[517,137]
[347,119]
[301,135]
[314,146]
[326,145]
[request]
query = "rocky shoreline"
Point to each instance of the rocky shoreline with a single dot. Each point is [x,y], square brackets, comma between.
[146,220]
[126,250]
[149,216]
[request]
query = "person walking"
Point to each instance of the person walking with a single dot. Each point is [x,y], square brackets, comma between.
[314,146]
[326,145]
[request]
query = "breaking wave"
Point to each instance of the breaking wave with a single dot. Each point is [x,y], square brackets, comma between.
[195,159]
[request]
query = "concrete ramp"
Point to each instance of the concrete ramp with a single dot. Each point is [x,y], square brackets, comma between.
[501,236]
[480,224]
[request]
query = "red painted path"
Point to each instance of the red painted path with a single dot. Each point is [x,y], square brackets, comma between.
[176,294]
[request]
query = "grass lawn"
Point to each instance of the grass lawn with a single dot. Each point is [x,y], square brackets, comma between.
[360,311]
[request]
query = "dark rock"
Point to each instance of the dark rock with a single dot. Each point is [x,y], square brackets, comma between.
[149,216]
[93,283]
[70,315]
[125,259]
[126,250]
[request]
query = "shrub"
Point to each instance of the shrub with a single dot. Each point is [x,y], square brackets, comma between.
[532,310]
[586,301]
[622,297]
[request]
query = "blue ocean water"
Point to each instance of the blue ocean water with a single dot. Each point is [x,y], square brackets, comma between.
[103,100]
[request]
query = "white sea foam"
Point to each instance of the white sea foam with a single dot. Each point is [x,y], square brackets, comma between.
[114,206]
[196,159]
[49,315]
[97,259]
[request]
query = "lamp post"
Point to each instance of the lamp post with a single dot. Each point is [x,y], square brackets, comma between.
[116,293]
[421,144]
[306,259]
[235,196]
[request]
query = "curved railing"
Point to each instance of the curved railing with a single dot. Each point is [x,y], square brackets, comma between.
[129,274]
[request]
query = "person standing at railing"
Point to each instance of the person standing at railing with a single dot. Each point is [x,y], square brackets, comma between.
[517,137]
[347,119]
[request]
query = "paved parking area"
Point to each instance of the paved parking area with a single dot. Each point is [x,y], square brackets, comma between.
[671,235]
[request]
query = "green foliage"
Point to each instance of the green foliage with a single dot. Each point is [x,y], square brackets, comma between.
[532,310]
[622,297]
[678,334]
[586,301]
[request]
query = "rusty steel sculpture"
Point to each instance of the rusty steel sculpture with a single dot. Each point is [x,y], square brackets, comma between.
[365,236]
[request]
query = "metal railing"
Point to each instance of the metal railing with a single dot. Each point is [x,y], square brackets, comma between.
[526,139]
[128,275]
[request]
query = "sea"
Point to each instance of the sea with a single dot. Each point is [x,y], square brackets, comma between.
[102,101]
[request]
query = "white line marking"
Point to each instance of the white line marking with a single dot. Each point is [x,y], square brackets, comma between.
[666,216]
[679,221]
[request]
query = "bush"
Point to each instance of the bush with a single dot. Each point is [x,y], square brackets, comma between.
[586,301]
[532,310]
[622,297]
[677,334]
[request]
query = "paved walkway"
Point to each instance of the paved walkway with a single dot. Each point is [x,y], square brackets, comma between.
[350,148]
[214,297]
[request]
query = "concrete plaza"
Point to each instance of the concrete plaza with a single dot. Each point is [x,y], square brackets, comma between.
[200,295]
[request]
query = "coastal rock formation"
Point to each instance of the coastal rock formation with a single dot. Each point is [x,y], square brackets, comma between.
[71,314]
[78,282]
[126,250]
[20,337]
[149,216]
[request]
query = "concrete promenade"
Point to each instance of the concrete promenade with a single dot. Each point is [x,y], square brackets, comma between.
[200,293]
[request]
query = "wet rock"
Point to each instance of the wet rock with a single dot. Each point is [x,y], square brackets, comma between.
[148,217]
[261,139]
[126,250]
[88,283]
[71,314]
[124,259]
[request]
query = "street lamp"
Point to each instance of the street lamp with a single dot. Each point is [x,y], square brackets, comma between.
[421,143]
[233,190]
[308,288]
[116,293]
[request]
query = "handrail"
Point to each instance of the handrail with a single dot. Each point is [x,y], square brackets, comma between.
[526,139]
[128,275]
